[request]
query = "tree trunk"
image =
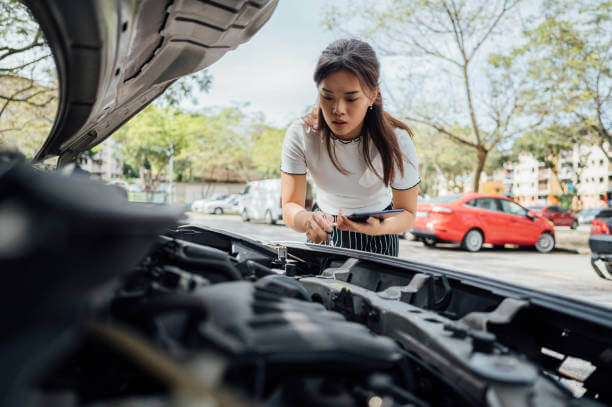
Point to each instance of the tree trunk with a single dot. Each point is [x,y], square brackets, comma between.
[482,158]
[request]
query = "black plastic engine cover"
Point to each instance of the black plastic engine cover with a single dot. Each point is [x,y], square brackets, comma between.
[62,240]
[254,321]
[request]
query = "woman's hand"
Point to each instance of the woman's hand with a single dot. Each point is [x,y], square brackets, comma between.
[318,227]
[370,227]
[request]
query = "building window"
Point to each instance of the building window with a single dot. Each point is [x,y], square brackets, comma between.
[601,180]
[601,162]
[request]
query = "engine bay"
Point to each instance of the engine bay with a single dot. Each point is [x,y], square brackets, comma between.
[110,303]
[278,325]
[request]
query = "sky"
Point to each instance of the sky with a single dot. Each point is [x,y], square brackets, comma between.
[273,71]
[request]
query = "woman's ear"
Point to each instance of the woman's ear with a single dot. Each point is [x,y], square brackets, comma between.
[374,96]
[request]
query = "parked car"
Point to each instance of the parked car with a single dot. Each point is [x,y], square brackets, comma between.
[229,204]
[107,302]
[600,243]
[199,205]
[476,218]
[586,216]
[556,214]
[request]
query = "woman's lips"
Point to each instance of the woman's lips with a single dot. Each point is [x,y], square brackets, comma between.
[339,123]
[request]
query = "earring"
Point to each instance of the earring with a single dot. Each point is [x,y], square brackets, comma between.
[371,107]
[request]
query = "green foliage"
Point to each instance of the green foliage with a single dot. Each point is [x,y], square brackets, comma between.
[146,141]
[569,59]
[129,171]
[184,88]
[566,199]
[28,88]
[441,161]
[216,144]
[266,153]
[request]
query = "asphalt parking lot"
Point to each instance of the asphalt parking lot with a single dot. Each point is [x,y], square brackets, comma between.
[566,271]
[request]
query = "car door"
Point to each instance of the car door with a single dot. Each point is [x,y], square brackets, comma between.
[566,217]
[491,217]
[520,228]
[553,213]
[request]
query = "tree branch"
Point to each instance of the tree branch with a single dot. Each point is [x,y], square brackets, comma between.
[443,131]
[16,68]
[12,51]
[490,30]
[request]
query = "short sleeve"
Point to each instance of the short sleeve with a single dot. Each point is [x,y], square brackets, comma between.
[411,163]
[293,159]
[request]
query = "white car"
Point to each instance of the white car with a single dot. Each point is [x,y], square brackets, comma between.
[221,206]
[198,205]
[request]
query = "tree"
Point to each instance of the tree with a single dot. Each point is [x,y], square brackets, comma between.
[447,37]
[266,152]
[146,141]
[224,143]
[447,162]
[569,55]
[28,85]
[184,88]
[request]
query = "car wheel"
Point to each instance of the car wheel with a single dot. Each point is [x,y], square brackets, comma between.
[245,215]
[545,243]
[429,242]
[574,224]
[268,218]
[472,241]
[218,211]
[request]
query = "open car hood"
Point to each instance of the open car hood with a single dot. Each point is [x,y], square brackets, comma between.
[114,57]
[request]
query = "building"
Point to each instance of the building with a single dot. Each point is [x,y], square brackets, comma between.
[103,164]
[583,170]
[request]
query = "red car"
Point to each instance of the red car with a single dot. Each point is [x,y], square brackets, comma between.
[555,213]
[474,219]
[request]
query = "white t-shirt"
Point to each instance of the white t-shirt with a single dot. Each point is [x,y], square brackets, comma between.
[359,191]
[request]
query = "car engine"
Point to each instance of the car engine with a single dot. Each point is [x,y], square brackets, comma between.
[112,303]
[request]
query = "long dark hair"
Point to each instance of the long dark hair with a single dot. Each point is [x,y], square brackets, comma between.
[358,58]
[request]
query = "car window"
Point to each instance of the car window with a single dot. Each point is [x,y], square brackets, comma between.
[487,203]
[606,213]
[512,208]
[552,209]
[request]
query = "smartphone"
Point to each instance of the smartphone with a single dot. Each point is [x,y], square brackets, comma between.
[363,216]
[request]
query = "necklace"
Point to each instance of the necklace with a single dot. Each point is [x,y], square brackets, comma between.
[355,140]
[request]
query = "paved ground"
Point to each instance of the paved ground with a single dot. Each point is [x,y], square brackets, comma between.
[566,271]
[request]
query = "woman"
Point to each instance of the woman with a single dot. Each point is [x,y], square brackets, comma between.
[360,158]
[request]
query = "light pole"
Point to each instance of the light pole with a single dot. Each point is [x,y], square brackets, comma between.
[171,170]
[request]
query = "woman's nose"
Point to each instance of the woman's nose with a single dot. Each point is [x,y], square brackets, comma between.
[338,107]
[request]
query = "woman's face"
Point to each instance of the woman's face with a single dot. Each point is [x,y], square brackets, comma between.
[344,103]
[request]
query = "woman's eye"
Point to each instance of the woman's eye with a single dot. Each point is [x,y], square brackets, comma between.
[351,100]
[326,97]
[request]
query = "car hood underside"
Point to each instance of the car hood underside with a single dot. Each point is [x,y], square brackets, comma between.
[114,57]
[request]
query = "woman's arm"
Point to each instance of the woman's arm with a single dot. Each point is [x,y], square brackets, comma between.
[402,199]
[293,198]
